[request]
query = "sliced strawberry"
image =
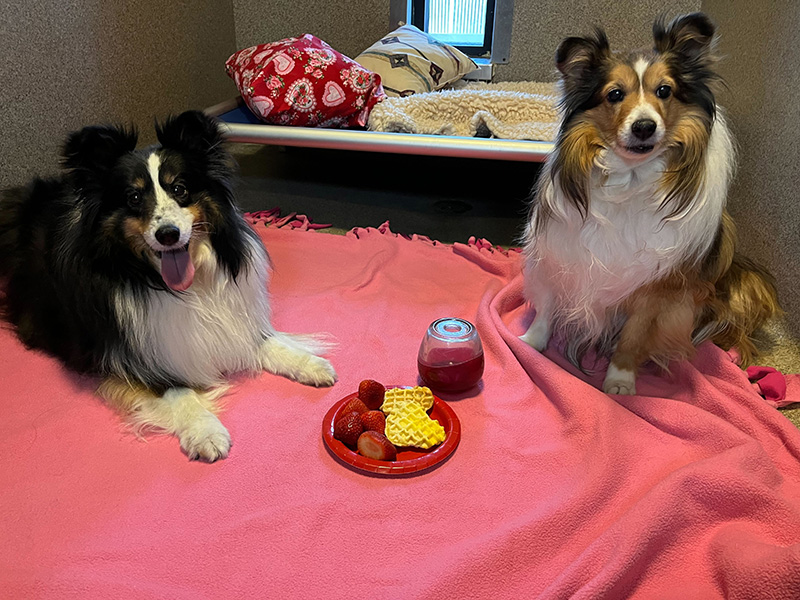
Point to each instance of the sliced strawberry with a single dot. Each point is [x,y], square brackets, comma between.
[371,393]
[374,420]
[354,405]
[348,428]
[376,445]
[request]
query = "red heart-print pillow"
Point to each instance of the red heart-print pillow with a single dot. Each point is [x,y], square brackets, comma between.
[303,81]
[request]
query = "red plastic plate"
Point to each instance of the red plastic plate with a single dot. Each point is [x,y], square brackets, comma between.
[409,460]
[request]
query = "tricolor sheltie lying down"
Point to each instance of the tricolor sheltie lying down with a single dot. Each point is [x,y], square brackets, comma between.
[136,265]
[629,249]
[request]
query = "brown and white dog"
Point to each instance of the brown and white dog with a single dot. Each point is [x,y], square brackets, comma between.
[629,249]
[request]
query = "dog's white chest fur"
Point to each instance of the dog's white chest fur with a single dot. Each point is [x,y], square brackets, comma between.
[584,268]
[622,244]
[214,328]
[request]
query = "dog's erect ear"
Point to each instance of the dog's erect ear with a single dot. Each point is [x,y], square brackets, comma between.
[191,131]
[687,46]
[97,149]
[690,36]
[576,56]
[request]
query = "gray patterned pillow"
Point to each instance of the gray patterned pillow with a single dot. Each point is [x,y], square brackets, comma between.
[410,61]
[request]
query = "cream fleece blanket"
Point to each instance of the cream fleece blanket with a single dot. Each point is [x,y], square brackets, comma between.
[518,111]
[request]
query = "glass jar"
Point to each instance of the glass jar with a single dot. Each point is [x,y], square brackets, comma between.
[451,356]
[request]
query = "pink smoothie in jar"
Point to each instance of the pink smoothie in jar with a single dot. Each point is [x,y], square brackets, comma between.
[451,356]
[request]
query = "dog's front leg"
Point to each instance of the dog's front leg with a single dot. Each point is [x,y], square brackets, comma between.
[659,328]
[538,334]
[181,411]
[296,357]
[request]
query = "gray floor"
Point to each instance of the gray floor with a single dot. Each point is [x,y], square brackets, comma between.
[444,198]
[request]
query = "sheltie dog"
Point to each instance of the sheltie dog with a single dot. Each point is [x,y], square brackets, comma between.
[136,265]
[629,250]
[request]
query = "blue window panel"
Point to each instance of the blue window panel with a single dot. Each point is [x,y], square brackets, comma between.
[457,22]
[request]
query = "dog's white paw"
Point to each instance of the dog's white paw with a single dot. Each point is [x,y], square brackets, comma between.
[206,439]
[537,336]
[620,381]
[289,356]
[318,372]
[619,387]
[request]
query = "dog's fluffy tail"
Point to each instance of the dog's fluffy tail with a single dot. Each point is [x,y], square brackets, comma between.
[745,298]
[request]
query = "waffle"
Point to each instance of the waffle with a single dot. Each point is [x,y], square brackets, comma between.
[410,425]
[394,398]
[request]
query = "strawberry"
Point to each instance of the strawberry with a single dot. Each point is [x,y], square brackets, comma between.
[376,445]
[374,420]
[348,428]
[354,405]
[371,393]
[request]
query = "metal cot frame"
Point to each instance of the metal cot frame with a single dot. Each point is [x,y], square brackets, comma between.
[230,114]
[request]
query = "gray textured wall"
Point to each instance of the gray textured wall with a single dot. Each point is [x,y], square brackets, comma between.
[539,26]
[350,27]
[761,47]
[68,63]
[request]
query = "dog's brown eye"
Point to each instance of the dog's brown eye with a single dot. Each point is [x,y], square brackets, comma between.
[615,96]
[179,190]
[663,91]
[134,199]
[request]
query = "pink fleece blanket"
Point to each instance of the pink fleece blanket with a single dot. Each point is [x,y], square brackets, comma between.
[689,490]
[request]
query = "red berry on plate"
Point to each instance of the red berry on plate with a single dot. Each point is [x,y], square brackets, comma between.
[374,420]
[376,445]
[371,393]
[354,405]
[348,428]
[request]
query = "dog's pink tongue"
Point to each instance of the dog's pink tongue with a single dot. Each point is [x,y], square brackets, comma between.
[177,269]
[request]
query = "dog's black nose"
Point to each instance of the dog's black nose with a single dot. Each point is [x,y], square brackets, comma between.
[643,128]
[168,235]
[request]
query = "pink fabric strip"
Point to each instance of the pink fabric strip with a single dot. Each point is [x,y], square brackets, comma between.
[770,383]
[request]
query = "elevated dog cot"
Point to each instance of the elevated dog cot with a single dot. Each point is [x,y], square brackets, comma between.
[241,125]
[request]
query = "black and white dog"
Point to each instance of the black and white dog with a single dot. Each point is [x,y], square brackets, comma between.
[137,265]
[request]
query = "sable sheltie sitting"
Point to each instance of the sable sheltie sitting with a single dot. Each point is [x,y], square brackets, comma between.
[137,265]
[629,250]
